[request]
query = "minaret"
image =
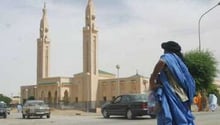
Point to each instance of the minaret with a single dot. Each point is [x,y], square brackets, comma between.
[90,35]
[43,48]
[90,68]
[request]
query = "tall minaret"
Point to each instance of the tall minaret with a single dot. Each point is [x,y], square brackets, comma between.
[43,48]
[90,35]
[90,68]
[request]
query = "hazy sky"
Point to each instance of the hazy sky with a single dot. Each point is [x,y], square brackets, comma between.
[130,34]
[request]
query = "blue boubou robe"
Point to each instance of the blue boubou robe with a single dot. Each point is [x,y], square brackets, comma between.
[174,111]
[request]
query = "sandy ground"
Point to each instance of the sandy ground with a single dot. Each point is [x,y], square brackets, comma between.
[71,112]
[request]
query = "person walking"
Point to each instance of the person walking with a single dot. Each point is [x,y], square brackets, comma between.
[174,87]
[199,96]
[212,102]
[194,106]
[19,108]
[204,101]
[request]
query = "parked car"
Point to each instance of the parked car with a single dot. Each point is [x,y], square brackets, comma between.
[130,106]
[3,109]
[35,108]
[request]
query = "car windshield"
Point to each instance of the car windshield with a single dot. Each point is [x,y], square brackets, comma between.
[138,97]
[2,105]
[33,103]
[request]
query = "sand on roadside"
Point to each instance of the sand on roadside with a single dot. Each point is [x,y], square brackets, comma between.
[71,112]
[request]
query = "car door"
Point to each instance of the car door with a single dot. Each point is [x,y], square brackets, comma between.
[119,105]
[113,108]
[123,105]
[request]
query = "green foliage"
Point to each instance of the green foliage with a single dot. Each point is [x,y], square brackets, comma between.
[5,99]
[203,67]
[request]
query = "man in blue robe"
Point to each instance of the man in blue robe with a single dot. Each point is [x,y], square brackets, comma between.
[173,86]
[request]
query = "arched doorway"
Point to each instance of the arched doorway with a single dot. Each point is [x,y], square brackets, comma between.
[55,98]
[66,97]
[42,95]
[49,98]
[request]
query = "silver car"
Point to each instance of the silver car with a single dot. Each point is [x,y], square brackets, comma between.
[35,108]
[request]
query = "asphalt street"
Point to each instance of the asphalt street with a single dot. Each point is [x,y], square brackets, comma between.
[83,118]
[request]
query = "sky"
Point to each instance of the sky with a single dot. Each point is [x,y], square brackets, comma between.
[130,35]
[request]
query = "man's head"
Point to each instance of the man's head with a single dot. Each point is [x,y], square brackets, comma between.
[171,46]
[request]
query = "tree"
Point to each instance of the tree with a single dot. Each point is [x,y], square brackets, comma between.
[203,67]
[5,99]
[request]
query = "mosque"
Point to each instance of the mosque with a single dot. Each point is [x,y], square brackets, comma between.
[86,90]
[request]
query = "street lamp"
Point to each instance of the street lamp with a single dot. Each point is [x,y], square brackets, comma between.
[35,92]
[26,92]
[118,84]
[200,21]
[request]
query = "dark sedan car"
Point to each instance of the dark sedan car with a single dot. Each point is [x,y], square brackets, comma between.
[3,109]
[130,106]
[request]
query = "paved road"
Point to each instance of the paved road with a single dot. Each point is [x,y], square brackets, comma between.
[202,118]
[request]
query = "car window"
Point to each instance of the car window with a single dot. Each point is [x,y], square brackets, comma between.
[124,99]
[33,103]
[39,103]
[138,97]
[117,100]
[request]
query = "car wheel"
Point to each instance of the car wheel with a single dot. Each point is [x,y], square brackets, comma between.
[23,116]
[105,113]
[5,115]
[28,116]
[48,116]
[129,114]
[153,116]
[41,116]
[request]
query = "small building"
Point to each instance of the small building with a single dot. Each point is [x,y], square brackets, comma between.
[15,100]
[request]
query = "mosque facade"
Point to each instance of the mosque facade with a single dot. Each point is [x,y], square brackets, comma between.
[86,90]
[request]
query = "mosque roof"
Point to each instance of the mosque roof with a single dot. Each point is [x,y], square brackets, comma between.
[106,73]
